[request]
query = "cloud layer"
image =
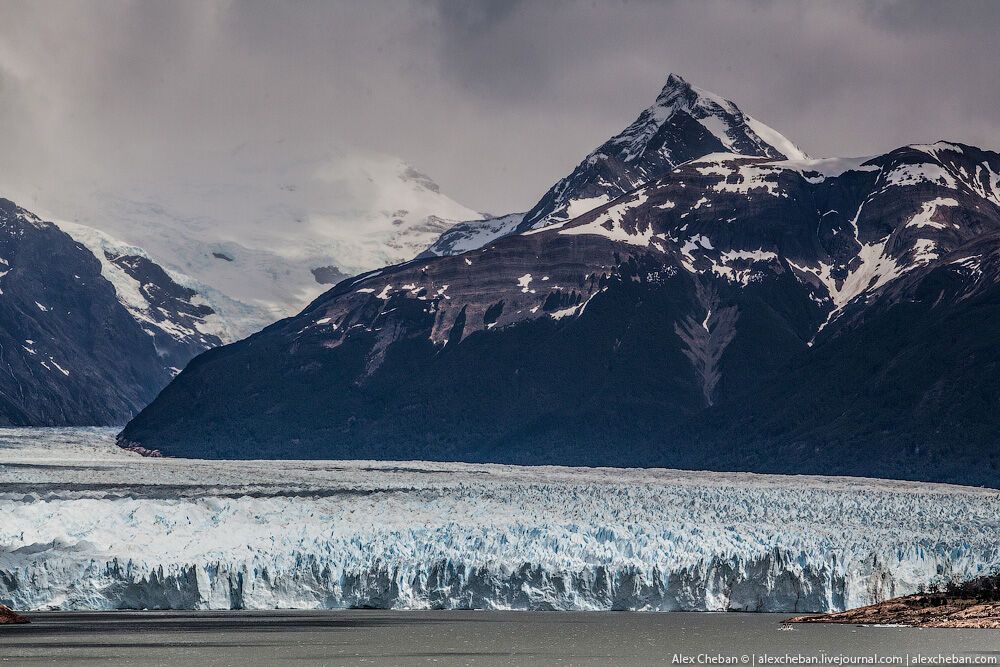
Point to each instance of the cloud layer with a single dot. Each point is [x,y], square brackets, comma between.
[494,99]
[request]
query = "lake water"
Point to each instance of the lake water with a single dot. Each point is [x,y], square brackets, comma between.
[468,638]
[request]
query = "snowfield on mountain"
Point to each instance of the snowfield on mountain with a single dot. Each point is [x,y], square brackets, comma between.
[473,234]
[88,526]
[261,242]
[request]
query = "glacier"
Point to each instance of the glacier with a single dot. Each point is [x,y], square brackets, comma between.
[87,526]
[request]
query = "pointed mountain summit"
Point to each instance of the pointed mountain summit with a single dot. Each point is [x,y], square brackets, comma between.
[747,309]
[678,102]
[684,123]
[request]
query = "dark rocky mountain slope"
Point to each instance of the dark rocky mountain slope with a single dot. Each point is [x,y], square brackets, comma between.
[73,349]
[738,312]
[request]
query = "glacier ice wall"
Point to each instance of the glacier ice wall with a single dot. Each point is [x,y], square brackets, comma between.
[85,526]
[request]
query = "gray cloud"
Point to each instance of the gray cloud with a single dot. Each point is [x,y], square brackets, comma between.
[494,99]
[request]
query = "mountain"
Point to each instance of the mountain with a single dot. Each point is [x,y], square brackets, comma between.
[737,312]
[684,123]
[89,333]
[171,275]
[260,243]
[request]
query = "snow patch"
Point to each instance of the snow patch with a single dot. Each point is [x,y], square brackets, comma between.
[608,223]
[927,210]
[927,172]
[577,207]
[817,170]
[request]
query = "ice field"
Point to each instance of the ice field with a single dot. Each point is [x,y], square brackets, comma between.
[85,525]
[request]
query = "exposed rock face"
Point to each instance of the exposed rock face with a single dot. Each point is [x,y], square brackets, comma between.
[76,348]
[172,316]
[9,617]
[921,611]
[708,339]
[737,312]
[327,275]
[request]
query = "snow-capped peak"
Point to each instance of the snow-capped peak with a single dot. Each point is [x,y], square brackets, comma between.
[683,124]
[736,131]
[679,94]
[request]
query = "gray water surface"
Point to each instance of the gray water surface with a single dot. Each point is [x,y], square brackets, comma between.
[466,638]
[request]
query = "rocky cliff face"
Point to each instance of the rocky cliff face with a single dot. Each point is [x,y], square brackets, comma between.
[85,339]
[738,311]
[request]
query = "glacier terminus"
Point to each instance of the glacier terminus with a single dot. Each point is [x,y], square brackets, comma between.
[88,526]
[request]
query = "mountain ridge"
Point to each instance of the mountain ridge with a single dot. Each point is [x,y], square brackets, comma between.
[685,122]
[728,313]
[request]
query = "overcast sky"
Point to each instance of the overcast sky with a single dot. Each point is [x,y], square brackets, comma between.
[493,99]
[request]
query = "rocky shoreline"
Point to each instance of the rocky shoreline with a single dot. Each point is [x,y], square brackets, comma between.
[9,617]
[919,611]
